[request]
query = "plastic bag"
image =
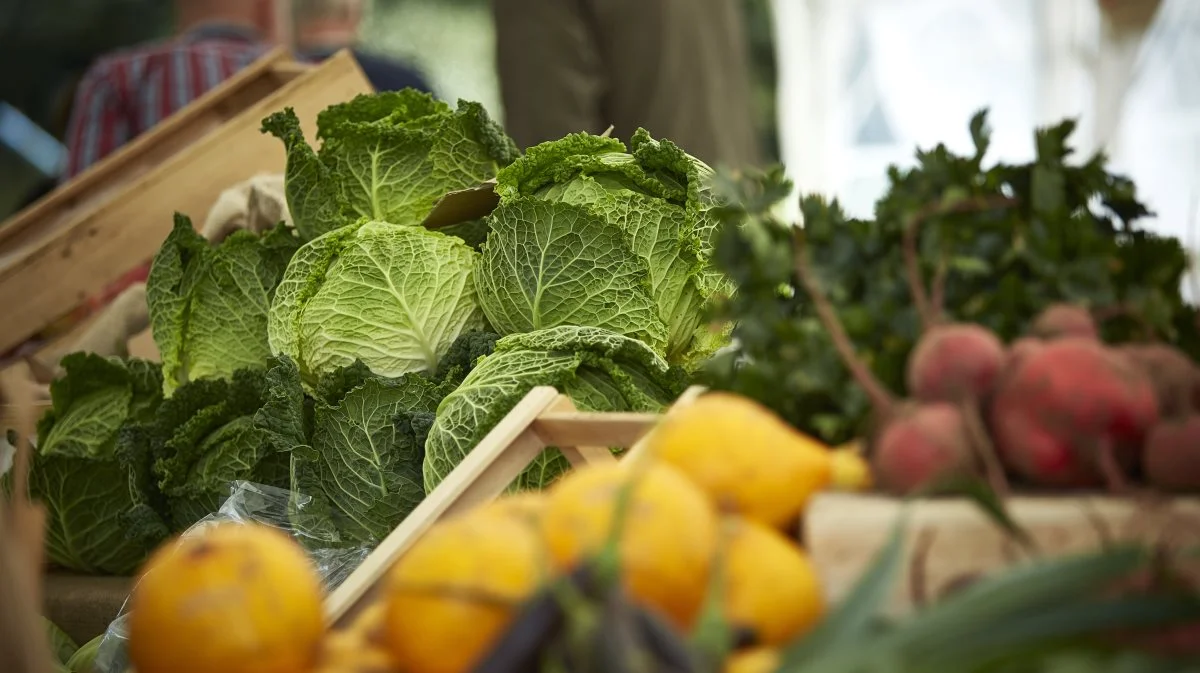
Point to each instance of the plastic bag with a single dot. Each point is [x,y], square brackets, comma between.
[247,503]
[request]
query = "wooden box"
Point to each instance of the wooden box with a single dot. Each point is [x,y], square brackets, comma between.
[115,215]
[951,538]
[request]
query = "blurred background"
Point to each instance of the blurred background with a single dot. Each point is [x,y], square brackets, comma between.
[841,88]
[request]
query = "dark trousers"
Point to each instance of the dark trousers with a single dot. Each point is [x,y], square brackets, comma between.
[679,68]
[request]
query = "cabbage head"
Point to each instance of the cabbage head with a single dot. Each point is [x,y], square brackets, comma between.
[394,297]
[599,370]
[386,156]
[102,506]
[208,303]
[361,466]
[213,432]
[589,233]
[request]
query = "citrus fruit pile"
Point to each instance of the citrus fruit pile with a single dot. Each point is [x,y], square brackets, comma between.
[693,529]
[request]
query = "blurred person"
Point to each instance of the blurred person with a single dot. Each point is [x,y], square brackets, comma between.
[126,93]
[679,68]
[324,27]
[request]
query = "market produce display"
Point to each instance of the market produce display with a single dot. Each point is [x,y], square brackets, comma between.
[636,566]
[1096,385]
[349,359]
[1003,328]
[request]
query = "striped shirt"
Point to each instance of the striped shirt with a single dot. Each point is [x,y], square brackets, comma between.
[126,93]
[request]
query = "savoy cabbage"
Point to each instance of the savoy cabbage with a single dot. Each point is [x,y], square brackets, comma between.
[393,296]
[386,156]
[208,304]
[102,506]
[598,369]
[213,432]
[591,233]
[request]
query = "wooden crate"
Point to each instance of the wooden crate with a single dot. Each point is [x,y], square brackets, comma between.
[83,606]
[543,418]
[844,531]
[115,216]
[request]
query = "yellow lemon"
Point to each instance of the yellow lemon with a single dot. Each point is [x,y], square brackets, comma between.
[744,456]
[667,543]
[237,598]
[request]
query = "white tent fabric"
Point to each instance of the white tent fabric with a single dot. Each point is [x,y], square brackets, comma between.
[862,83]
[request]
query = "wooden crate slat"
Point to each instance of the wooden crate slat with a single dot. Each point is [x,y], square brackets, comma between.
[844,531]
[134,158]
[578,451]
[572,429]
[52,277]
[482,470]
[488,470]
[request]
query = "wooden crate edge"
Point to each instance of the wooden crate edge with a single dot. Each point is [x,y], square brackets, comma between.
[487,470]
[952,538]
[18,222]
[82,226]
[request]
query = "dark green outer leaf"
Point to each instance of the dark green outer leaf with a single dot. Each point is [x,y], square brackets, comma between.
[369,461]
[61,644]
[313,201]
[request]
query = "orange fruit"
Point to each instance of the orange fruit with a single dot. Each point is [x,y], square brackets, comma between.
[756,660]
[347,652]
[668,541]
[771,586]
[850,471]
[744,456]
[236,598]
[458,588]
[526,505]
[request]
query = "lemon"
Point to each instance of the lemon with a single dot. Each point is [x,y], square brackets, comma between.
[746,458]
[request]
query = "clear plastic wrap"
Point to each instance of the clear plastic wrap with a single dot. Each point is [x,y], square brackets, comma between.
[248,503]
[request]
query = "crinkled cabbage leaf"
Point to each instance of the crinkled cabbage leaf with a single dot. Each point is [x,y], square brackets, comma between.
[386,156]
[395,297]
[208,304]
[101,502]
[598,369]
[590,233]
[213,432]
[362,468]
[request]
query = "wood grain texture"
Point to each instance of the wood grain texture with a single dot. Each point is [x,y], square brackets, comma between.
[843,532]
[52,275]
[542,418]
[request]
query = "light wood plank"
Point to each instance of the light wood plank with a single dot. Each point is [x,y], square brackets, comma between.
[575,428]
[579,451]
[133,159]
[843,532]
[99,246]
[484,474]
